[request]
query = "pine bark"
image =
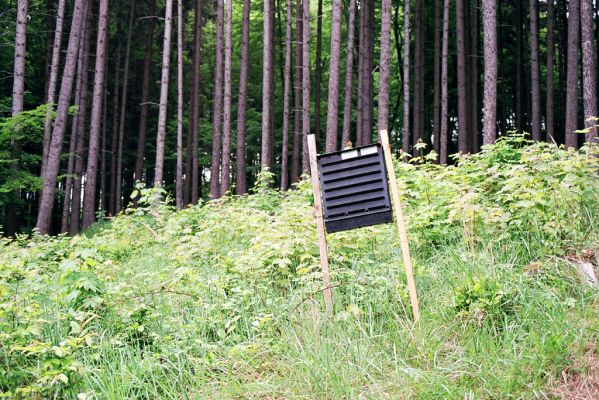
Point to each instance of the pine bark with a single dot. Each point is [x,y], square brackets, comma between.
[305,84]
[437,78]
[572,74]
[241,180]
[589,77]
[225,177]
[218,105]
[179,173]
[384,66]
[490,59]
[474,114]
[349,67]
[463,133]
[333,95]
[535,71]
[295,155]
[519,67]
[123,113]
[52,82]
[145,95]
[267,76]
[549,90]
[53,164]
[286,98]
[161,132]
[406,79]
[444,101]
[194,170]
[418,49]
[114,140]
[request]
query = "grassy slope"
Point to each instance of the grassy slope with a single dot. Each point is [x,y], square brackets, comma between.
[223,301]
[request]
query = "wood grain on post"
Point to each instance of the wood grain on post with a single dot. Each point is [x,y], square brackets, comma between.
[403,235]
[322,238]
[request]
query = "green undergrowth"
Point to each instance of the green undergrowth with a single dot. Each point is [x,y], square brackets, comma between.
[223,300]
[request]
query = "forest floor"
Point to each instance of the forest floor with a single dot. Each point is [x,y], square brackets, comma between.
[223,300]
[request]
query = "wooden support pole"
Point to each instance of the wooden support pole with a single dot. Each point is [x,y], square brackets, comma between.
[403,235]
[322,238]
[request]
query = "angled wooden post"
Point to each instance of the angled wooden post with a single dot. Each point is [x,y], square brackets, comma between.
[322,238]
[403,235]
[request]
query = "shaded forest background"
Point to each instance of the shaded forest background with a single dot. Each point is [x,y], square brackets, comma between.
[160,96]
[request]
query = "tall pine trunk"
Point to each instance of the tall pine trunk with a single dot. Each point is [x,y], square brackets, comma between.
[572,74]
[418,49]
[194,169]
[589,72]
[463,133]
[443,139]
[305,84]
[286,98]
[52,82]
[490,56]
[225,174]
[474,114]
[89,199]
[179,173]
[241,179]
[437,78]
[549,90]
[535,71]
[349,67]
[267,77]
[406,80]
[383,112]
[123,113]
[114,140]
[218,105]
[295,155]
[333,95]
[145,95]
[161,132]
[50,174]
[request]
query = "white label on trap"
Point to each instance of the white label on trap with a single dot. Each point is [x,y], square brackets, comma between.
[349,154]
[369,150]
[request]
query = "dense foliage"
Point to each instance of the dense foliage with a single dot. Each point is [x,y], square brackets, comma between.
[222,300]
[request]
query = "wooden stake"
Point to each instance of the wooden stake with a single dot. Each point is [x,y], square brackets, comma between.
[322,238]
[403,235]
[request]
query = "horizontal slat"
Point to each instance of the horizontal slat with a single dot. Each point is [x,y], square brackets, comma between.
[353,181]
[342,174]
[338,160]
[359,205]
[357,197]
[350,165]
[341,214]
[352,191]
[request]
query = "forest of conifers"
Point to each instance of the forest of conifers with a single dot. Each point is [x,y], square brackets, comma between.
[198,97]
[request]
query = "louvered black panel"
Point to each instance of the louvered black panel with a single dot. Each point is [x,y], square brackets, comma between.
[354,188]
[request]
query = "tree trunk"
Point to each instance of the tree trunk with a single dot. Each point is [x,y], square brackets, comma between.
[267,76]
[225,175]
[589,77]
[474,115]
[349,66]
[535,71]
[490,55]
[519,68]
[161,132]
[145,95]
[418,49]
[384,66]
[549,99]
[18,94]
[123,113]
[406,79]
[463,133]
[318,70]
[115,134]
[572,74]
[47,201]
[218,104]
[286,98]
[444,113]
[333,95]
[179,182]
[295,156]
[437,79]
[52,82]
[81,118]
[195,106]
[241,180]
[306,84]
